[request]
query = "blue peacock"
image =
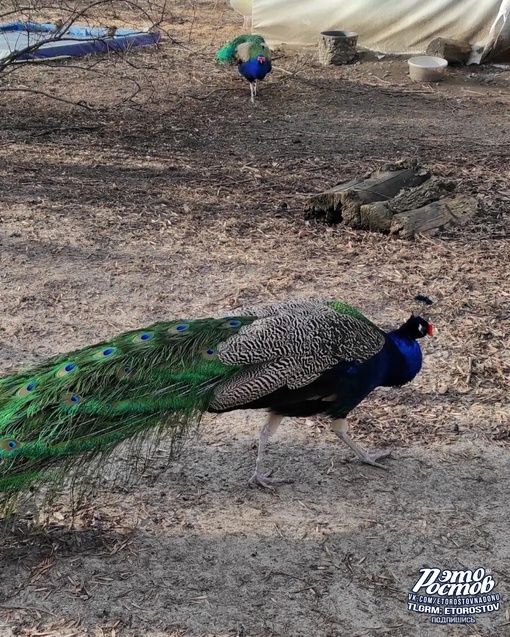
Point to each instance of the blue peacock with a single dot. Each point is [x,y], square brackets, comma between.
[252,56]
[296,358]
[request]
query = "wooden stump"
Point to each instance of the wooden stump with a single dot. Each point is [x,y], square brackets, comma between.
[343,202]
[337,47]
[402,199]
[454,51]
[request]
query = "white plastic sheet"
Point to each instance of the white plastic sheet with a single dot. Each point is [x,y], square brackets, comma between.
[499,36]
[390,26]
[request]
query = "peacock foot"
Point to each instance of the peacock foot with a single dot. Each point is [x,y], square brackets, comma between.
[264,481]
[372,458]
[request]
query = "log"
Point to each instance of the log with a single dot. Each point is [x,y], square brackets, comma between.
[376,217]
[402,198]
[337,47]
[455,51]
[343,202]
[433,217]
[431,190]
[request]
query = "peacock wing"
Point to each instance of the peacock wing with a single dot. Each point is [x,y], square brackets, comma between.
[291,345]
[301,306]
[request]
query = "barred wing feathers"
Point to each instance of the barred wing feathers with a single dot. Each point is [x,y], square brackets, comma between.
[292,345]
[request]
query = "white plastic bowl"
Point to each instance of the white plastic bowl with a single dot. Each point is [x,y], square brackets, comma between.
[426,68]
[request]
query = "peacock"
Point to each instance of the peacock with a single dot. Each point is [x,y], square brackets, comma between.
[252,56]
[295,358]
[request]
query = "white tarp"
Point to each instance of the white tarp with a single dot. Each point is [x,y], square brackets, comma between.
[390,26]
[498,42]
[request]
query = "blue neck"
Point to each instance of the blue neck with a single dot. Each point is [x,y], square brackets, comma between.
[404,358]
[396,364]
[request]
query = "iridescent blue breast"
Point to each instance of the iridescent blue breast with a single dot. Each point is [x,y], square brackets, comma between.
[255,69]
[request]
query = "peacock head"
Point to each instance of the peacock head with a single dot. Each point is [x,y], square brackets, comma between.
[261,59]
[416,327]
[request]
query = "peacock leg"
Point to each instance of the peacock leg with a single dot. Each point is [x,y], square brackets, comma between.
[340,427]
[260,479]
[255,89]
[252,90]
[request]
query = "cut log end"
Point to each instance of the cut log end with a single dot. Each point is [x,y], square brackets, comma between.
[454,51]
[337,47]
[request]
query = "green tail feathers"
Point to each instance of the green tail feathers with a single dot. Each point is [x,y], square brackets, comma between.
[88,401]
[228,53]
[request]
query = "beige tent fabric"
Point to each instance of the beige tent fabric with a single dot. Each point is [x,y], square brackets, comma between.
[498,43]
[243,7]
[390,26]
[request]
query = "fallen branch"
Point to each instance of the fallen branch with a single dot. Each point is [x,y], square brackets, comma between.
[15,89]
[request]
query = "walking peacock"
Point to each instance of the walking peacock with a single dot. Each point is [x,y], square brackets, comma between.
[296,358]
[252,56]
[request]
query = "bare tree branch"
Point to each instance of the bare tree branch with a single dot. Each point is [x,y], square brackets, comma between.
[21,89]
[150,13]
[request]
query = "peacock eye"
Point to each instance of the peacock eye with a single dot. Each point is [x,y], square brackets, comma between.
[232,323]
[71,400]
[124,371]
[65,369]
[180,328]
[105,353]
[209,354]
[9,444]
[144,337]
[27,389]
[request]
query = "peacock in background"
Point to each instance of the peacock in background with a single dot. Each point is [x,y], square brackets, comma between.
[252,56]
[294,359]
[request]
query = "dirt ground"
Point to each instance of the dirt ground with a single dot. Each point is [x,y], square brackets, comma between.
[187,201]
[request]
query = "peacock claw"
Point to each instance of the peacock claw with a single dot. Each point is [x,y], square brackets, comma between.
[372,458]
[339,427]
[264,481]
